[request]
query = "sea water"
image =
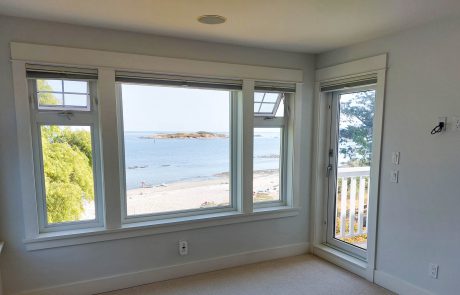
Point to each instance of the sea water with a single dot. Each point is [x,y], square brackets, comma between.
[161,161]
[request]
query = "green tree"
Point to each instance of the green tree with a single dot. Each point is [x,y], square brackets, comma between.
[356,116]
[68,172]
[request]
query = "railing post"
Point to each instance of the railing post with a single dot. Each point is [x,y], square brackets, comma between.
[362,185]
[352,206]
[343,207]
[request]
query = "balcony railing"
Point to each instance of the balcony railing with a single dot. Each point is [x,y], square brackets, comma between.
[351,204]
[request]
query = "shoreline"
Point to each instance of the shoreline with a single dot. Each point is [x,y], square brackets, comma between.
[193,194]
[200,178]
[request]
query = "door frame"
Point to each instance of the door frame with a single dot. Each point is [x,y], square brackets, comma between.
[352,70]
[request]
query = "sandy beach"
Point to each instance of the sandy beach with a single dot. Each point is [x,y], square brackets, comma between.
[184,195]
[192,194]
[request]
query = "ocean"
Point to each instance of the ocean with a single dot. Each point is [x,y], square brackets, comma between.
[162,161]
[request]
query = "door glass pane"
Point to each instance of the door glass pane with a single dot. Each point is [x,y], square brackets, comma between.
[354,152]
[176,147]
[267,157]
[68,173]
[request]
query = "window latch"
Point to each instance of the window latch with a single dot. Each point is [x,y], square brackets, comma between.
[328,170]
[67,114]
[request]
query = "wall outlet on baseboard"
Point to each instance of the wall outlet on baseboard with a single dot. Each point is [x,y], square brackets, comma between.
[183,248]
[433,270]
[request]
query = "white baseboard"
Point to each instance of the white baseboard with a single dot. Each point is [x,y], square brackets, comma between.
[132,279]
[397,285]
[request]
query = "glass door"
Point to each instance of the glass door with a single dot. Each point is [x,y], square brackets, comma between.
[349,164]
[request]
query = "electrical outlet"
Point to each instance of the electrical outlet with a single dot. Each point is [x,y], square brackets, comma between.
[395,158]
[433,270]
[183,248]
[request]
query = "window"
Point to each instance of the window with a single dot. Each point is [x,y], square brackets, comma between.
[269,141]
[114,151]
[267,103]
[65,131]
[177,149]
[55,94]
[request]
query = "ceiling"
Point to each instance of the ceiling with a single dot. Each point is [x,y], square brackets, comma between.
[295,25]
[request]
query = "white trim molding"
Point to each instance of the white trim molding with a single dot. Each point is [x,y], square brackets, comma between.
[398,285]
[93,235]
[357,67]
[46,54]
[152,275]
[375,66]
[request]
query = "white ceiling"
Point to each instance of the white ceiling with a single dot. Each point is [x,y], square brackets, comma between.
[294,25]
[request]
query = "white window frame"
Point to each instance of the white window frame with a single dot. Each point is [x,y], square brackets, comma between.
[64,116]
[107,64]
[233,124]
[375,66]
[264,121]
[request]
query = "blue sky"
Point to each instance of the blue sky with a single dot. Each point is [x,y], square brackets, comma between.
[157,108]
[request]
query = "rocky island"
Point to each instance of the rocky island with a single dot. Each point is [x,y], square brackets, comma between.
[185,135]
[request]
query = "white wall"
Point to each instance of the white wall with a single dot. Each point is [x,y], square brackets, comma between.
[419,218]
[22,270]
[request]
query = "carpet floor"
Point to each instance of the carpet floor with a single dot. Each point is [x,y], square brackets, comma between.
[299,275]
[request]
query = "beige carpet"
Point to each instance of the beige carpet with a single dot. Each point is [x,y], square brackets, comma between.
[305,274]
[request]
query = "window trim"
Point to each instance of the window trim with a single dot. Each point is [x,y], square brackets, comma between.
[356,69]
[41,117]
[106,63]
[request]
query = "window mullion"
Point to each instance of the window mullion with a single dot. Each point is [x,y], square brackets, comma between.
[110,148]
[245,152]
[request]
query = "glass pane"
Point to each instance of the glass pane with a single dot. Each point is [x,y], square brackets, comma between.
[50,99]
[258,96]
[354,146]
[267,108]
[177,148]
[267,157]
[257,107]
[76,86]
[80,100]
[271,97]
[68,173]
[49,85]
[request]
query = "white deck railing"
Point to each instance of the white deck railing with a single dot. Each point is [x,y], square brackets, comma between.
[354,191]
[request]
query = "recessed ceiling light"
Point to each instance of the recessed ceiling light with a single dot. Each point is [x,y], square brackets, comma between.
[212,19]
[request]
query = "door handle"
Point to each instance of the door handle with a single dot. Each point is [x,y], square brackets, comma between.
[328,170]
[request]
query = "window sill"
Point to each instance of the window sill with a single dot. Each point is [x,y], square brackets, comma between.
[344,260]
[93,235]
